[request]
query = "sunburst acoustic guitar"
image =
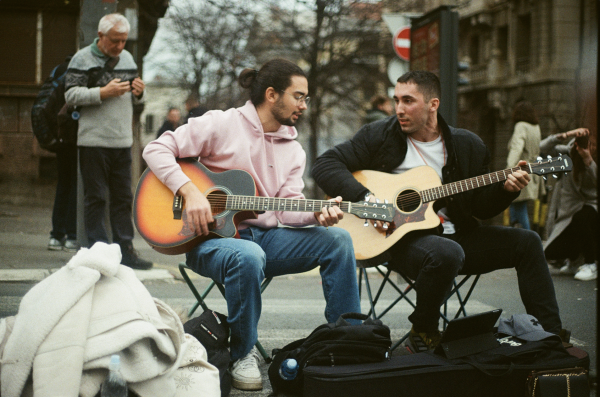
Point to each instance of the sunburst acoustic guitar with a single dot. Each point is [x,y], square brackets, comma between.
[412,193]
[160,217]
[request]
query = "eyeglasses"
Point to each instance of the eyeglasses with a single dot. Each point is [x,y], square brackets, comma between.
[299,99]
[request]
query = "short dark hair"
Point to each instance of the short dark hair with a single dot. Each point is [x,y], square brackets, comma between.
[427,82]
[378,100]
[276,73]
[524,111]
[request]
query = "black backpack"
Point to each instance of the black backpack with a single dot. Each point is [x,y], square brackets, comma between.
[332,344]
[44,113]
[54,123]
[212,330]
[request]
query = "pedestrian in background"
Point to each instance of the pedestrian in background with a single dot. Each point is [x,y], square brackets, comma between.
[573,213]
[524,145]
[172,121]
[381,107]
[105,133]
[192,106]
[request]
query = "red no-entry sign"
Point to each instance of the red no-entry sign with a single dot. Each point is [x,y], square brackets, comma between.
[401,43]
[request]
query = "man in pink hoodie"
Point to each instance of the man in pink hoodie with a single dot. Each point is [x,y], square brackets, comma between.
[259,138]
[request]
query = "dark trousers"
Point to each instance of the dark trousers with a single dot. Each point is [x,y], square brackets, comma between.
[580,237]
[434,261]
[106,175]
[64,212]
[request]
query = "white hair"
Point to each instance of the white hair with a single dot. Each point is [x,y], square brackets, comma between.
[113,21]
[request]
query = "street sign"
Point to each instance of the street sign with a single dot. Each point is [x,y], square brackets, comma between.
[401,43]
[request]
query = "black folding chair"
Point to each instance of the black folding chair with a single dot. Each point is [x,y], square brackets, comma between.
[403,293]
[201,296]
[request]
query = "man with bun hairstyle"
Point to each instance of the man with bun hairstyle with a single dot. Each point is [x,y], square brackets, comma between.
[259,138]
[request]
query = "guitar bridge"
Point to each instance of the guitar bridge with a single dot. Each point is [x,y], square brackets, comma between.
[177,207]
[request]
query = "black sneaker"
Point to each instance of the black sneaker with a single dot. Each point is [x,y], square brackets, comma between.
[132,260]
[423,341]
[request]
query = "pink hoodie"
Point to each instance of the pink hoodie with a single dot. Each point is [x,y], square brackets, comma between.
[234,139]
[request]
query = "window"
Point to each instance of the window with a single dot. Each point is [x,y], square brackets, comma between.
[523,42]
[502,43]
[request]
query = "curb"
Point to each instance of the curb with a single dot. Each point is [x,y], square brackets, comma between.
[37,275]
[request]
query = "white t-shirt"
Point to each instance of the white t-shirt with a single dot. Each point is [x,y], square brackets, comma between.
[434,155]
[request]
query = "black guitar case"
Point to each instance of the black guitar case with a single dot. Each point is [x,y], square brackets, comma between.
[500,372]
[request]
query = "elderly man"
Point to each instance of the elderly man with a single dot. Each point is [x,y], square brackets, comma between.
[102,81]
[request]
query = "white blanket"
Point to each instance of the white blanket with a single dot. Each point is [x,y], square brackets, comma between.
[70,324]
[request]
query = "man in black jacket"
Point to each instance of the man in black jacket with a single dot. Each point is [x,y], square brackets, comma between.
[417,135]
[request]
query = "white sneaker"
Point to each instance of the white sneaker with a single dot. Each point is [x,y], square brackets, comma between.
[245,373]
[569,268]
[587,272]
[55,244]
[71,246]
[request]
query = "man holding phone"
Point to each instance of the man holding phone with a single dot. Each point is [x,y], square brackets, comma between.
[105,133]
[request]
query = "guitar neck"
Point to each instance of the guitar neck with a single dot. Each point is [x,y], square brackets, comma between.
[257,203]
[450,189]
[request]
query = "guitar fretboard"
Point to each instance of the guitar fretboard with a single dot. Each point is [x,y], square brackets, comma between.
[469,184]
[256,203]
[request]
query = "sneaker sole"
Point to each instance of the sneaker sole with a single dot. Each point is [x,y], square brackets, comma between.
[55,248]
[586,278]
[240,385]
[70,250]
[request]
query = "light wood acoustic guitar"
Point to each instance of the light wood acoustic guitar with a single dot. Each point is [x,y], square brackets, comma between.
[412,194]
[160,217]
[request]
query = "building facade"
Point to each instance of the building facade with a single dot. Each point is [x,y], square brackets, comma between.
[544,51]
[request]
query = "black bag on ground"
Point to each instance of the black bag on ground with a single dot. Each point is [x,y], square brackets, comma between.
[501,372]
[212,330]
[332,344]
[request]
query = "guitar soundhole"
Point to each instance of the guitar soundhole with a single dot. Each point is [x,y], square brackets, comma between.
[408,201]
[217,200]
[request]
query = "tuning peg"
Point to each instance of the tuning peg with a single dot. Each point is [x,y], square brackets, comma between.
[549,157]
[377,200]
[554,176]
[385,201]
[545,177]
[565,173]
[366,223]
[539,158]
[385,226]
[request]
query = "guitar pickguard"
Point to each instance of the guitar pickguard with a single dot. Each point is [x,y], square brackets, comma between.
[401,218]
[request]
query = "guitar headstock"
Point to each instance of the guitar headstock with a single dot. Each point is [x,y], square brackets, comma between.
[553,165]
[377,211]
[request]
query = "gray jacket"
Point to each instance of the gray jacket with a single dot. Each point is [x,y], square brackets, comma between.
[103,123]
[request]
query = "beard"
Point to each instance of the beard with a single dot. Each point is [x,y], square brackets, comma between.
[278,113]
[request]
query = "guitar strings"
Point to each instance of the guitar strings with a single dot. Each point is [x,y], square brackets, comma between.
[403,201]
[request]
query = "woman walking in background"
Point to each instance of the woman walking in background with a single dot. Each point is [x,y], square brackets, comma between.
[524,145]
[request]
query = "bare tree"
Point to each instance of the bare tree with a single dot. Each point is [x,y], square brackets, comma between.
[204,48]
[343,47]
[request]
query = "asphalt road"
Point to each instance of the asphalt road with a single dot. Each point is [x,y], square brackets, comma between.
[292,305]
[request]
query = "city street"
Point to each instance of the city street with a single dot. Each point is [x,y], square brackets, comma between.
[292,306]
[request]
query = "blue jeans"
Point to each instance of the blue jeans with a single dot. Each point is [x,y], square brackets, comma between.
[242,264]
[518,213]
[433,261]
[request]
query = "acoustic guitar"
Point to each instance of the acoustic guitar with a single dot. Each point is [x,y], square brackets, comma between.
[412,194]
[160,217]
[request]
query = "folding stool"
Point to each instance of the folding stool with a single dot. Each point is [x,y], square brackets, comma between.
[200,299]
[403,294]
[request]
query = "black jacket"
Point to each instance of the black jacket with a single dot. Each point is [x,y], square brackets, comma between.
[381,146]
